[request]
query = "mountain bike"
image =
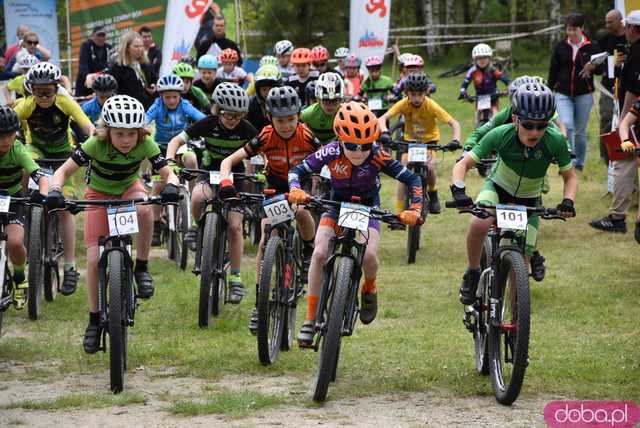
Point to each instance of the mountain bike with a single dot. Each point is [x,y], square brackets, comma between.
[338,302]
[252,221]
[483,103]
[500,317]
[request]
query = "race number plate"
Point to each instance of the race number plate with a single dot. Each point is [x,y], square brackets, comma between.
[215,178]
[354,216]
[417,153]
[484,102]
[5,201]
[277,209]
[45,172]
[257,160]
[375,104]
[122,220]
[512,217]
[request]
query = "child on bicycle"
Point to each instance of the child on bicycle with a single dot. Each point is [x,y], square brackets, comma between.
[411,64]
[352,76]
[104,86]
[320,59]
[14,161]
[207,67]
[301,60]
[171,115]
[224,132]
[113,157]
[283,50]
[17,83]
[265,60]
[48,114]
[355,163]
[191,93]
[483,75]
[284,143]
[319,116]
[376,88]
[267,77]
[422,115]
[340,54]
[230,72]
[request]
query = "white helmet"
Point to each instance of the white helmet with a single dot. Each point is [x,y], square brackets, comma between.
[341,53]
[170,82]
[404,57]
[123,111]
[231,97]
[283,47]
[481,50]
[329,86]
[268,60]
[28,61]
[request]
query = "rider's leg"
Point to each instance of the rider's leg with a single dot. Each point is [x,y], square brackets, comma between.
[201,194]
[190,161]
[18,256]
[235,242]
[432,188]
[158,185]
[369,295]
[401,189]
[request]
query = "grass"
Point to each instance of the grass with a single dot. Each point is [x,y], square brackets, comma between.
[75,401]
[233,404]
[584,338]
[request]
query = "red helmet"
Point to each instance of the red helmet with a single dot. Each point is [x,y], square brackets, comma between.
[373,61]
[355,123]
[228,55]
[319,53]
[301,56]
[414,61]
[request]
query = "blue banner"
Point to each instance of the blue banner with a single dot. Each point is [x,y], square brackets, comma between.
[39,16]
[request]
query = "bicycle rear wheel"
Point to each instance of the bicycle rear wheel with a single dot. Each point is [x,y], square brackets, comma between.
[330,346]
[482,317]
[207,278]
[35,260]
[271,309]
[509,339]
[117,307]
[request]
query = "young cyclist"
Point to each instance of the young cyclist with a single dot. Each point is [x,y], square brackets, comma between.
[340,54]
[113,157]
[192,94]
[17,83]
[265,60]
[14,161]
[310,93]
[267,77]
[411,64]
[171,115]
[355,163]
[376,89]
[320,59]
[352,76]
[319,116]
[421,115]
[525,150]
[104,86]
[230,72]
[301,60]
[283,50]
[46,116]
[207,67]
[483,75]
[284,143]
[224,132]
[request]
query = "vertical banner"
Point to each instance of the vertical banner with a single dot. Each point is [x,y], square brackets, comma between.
[626,6]
[369,27]
[40,16]
[117,17]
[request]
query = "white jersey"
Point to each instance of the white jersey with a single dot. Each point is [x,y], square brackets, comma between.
[237,75]
[286,71]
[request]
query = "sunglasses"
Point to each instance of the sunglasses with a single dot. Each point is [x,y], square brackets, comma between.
[353,147]
[231,115]
[531,126]
[44,94]
[32,42]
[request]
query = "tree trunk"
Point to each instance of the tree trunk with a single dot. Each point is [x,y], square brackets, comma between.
[435,4]
[466,9]
[427,11]
[555,16]
[480,7]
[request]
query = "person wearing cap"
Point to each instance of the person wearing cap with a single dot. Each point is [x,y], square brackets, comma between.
[153,52]
[94,54]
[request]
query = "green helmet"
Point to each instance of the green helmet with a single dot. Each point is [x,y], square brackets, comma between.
[183,69]
[268,75]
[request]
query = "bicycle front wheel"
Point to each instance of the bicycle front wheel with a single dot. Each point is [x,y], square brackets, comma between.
[117,307]
[207,278]
[53,251]
[332,336]
[509,337]
[184,216]
[482,319]
[36,260]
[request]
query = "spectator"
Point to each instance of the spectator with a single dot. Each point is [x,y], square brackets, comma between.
[625,172]
[132,70]
[217,42]
[206,22]
[94,56]
[153,53]
[14,48]
[30,46]
[570,76]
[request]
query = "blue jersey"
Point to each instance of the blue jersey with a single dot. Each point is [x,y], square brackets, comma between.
[92,109]
[170,123]
[484,79]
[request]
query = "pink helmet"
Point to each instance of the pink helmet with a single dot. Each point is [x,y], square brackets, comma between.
[414,61]
[373,61]
[352,61]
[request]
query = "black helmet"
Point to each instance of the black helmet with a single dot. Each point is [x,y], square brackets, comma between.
[533,101]
[417,82]
[188,60]
[105,83]
[310,90]
[9,121]
[283,101]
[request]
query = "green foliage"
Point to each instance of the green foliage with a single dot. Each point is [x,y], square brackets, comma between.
[79,401]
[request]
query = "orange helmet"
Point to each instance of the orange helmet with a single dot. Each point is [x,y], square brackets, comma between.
[301,56]
[319,53]
[228,55]
[355,123]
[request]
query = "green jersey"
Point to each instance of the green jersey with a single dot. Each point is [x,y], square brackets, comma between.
[377,89]
[320,123]
[198,99]
[111,171]
[521,170]
[12,164]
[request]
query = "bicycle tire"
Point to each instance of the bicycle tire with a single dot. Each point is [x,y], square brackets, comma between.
[270,305]
[170,236]
[51,268]
[117,320]
[6,282]
[290,313]
[219,292]
[459,69]
[205,303]
[506,392]
[255,231]
[332,337]
[35,260]
[480,338]
[183,224]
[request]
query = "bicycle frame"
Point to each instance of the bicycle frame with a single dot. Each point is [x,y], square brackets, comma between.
[286,231]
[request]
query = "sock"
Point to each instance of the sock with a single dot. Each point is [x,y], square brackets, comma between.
[312,304]
[69,266]
[18,273]
[369,286]
[399,205]
[307,248]
[141,265]
[94,318]
[235,271]
[432,188]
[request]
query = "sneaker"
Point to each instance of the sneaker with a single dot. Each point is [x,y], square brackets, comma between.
[610,224]
[369,307]
[253,322]
[156,240]
[305,337]
[434,202]
[69,282]
[637,232]
[469,286]
[537,266]
[20,294]
[144,280]
[236,289]
[91,341]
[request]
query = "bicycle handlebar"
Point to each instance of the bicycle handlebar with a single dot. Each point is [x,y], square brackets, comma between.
[481,211]
[429,146]
[323,205]
[474,98]
[256,178]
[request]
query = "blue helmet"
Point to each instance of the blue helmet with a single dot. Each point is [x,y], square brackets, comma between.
[208,62]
